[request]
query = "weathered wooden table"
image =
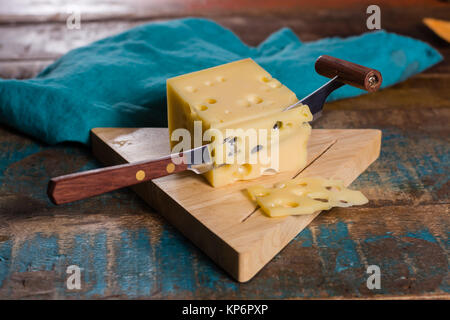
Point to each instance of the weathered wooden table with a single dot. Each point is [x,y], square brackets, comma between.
[125,249]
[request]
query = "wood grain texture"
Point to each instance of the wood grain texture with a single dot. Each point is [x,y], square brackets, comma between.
[30,43]
[127,250]
[58,10]
[223,221]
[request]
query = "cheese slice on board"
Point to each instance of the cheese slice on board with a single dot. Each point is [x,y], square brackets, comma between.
[304,196]
[240,95]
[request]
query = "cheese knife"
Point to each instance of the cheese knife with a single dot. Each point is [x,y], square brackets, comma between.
[81,185]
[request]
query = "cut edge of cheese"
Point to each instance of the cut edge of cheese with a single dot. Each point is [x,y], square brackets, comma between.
[302,196]
[232,172]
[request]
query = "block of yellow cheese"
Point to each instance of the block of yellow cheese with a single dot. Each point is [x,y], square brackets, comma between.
[304,196]
[240,95]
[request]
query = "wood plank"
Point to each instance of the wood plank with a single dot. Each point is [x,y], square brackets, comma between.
[130,251]
[50,41]
[26,49]
[22,69]
[422,91]
[58,10]
[412,256]
[221,220]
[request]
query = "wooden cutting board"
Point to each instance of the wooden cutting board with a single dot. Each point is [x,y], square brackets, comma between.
[224,222]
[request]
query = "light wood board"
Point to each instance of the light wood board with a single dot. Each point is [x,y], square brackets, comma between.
[224,222]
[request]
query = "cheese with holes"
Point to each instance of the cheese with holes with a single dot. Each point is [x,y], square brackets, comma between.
[243,97]
[304,196]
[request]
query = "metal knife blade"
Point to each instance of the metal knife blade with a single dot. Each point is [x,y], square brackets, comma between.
[316,99]
[200,160]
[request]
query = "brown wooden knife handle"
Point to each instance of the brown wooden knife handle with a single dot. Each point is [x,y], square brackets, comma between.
[86,184]
[349,73]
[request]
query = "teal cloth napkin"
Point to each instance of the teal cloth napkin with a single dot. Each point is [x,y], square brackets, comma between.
[120,81]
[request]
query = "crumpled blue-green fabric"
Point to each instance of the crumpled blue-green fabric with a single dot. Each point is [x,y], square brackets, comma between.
[120,81]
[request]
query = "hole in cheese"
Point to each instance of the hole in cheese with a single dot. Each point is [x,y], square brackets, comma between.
[254,99]
[243,103]
[275,84]
[221,79]
[321,199]
[211,101]
[262,194]
[190,89]
[269,171]
[201,107]
[291,205]
[243,170]
[278,125]
[265,79]
[257,148]
[298,192]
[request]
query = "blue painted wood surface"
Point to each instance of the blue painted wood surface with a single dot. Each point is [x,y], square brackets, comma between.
[125,249]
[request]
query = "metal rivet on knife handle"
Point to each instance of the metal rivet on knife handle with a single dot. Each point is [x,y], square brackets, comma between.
[140,175]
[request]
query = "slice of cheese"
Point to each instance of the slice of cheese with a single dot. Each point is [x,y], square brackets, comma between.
[239,95]
[304,196]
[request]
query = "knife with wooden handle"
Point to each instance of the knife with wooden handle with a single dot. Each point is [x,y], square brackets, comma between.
[81,185]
